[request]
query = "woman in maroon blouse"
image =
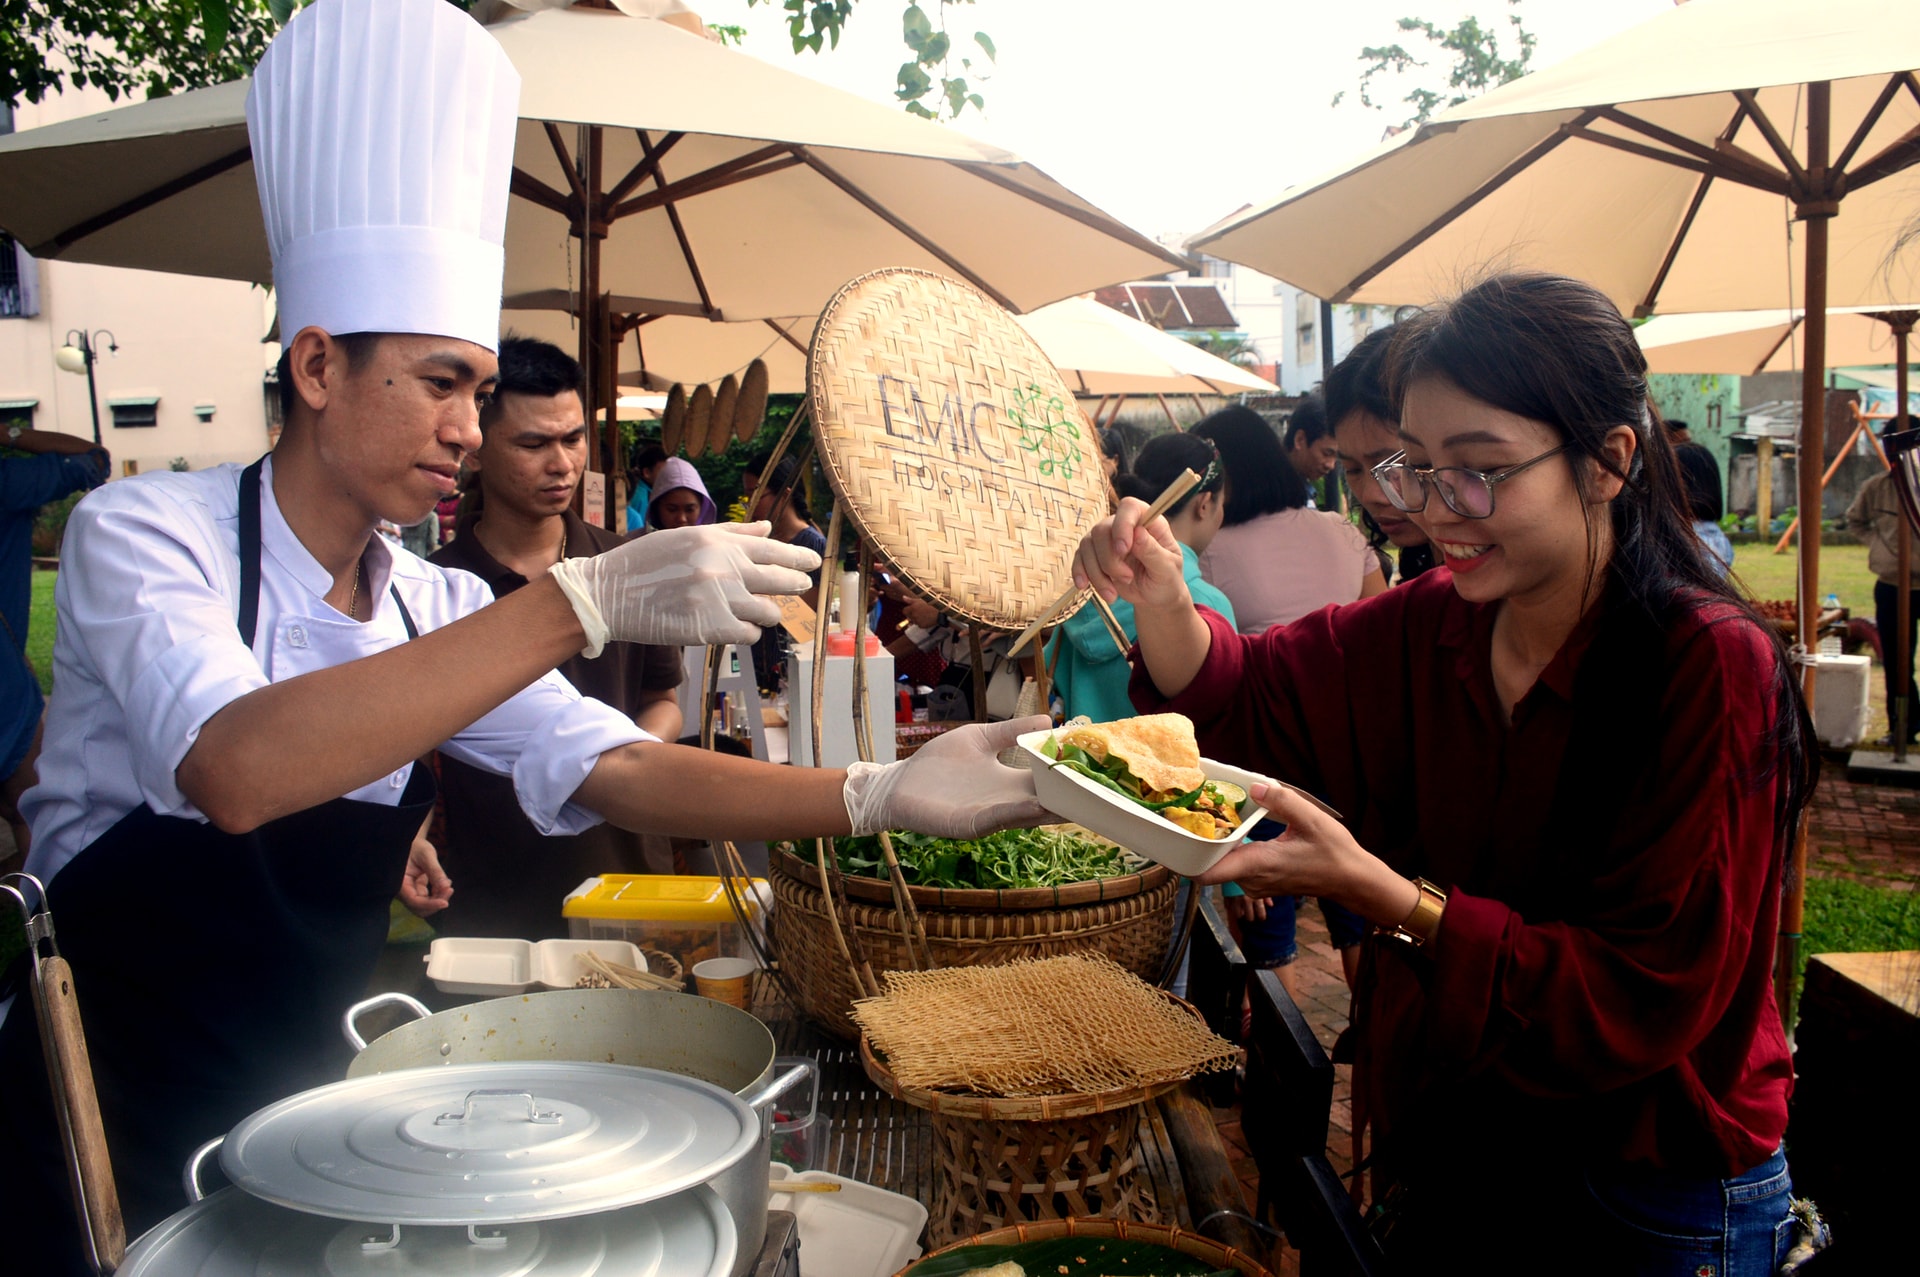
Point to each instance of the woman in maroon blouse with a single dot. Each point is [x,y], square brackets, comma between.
[1590,753]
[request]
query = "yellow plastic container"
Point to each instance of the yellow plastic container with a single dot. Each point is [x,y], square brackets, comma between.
[686,918]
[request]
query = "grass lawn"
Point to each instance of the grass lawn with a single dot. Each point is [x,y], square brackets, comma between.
[1843,571]
[40,628]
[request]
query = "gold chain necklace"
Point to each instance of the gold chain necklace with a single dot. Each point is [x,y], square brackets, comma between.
[353,596]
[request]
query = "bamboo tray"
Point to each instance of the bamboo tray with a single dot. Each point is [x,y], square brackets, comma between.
[955,446]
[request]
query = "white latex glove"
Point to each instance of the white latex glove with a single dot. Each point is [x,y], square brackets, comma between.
[953,787]
[685,587]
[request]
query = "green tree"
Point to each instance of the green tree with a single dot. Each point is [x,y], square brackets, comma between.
[1478,63]
[150,48]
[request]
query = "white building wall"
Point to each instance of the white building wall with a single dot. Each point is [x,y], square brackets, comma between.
[186,340]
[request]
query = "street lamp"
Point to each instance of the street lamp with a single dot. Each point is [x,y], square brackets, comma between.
[78,355]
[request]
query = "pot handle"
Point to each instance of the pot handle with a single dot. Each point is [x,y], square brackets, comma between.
[190,1178]
[762,1100]
[373,1003]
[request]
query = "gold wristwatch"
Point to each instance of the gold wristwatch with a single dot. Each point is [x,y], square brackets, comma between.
[1423,924]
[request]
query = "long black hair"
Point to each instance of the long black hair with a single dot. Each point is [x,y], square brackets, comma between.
[1557,351]
[1260,478]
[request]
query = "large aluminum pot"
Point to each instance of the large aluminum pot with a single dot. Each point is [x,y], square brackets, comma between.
[675,1032]
[697,1037]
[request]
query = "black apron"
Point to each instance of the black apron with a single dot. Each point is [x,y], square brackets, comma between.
[211,971]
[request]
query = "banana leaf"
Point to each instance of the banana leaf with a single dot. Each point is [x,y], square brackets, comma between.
[1080,1256]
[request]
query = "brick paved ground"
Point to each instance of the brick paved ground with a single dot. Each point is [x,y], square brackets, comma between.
[1867,832]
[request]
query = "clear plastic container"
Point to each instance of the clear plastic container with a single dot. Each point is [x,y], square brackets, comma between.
[685,918]
[799,1132]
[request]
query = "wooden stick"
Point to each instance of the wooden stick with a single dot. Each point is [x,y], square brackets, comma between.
[1186,483]
[1114,630]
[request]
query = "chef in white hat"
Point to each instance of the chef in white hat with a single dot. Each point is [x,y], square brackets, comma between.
[245,673]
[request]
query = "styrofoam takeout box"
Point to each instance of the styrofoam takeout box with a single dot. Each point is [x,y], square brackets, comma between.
[1071,796]
[499,968]
[859,1231]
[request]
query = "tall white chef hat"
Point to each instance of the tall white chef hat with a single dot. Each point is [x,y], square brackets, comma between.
[382,138]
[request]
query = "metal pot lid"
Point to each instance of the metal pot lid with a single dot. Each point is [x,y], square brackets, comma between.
[233,1235]
[489,1143]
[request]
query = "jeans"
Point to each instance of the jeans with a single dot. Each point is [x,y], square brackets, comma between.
[1657,1223]
[1886,618]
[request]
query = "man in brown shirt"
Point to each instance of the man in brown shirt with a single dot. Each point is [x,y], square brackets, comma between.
[510,879]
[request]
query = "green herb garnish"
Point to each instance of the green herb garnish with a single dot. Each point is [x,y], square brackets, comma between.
[1009,860]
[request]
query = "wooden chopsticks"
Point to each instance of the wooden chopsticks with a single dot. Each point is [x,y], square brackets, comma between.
[1186,483]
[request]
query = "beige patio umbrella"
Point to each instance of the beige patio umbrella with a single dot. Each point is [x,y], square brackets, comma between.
[1102,353]
[1744,342]
[1725,155]
[708,184]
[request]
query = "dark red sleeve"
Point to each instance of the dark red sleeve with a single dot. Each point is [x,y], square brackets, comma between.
[1664,956]
[1283,702]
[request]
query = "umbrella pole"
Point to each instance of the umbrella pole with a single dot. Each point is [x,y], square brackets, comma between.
[592,325]
[1902,650]
[610,435]
[1816,211]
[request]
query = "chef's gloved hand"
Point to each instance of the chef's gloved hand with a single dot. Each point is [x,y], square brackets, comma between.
[685,587]
[953,787]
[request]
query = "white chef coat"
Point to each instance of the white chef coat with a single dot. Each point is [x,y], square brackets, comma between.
[148,650]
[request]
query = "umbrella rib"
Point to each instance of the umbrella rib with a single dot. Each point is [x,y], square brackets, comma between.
[1106,225]
[1781,149]
[785,335]
[647,167]
[771,159]
[528,187]
[1900,155]
[1686,223]
[1793,326]
[1688,163]
[1532,154]
[680,234]
[1642,150]
[566,162]
[880,211]
[141,202]
[1871,118]
[1727,160]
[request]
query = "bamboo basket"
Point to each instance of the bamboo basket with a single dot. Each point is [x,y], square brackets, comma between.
[1198,1247]
[1006,1162]
[1129,918]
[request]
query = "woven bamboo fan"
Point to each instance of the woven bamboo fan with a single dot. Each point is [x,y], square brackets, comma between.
[699,418]
[673,420]
[751,408]
[720,426]
[954,444]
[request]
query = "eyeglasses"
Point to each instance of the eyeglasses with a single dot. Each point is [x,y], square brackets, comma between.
[1468,493]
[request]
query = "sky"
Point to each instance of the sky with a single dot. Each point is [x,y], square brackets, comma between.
[1172,114]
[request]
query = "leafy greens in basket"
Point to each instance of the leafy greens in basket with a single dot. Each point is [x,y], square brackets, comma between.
[1010,859]
[1152,760]
[1087,1256]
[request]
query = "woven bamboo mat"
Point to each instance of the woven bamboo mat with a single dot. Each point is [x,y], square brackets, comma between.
[955,445]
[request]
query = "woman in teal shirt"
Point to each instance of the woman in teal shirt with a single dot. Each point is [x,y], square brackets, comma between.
[1089,671]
